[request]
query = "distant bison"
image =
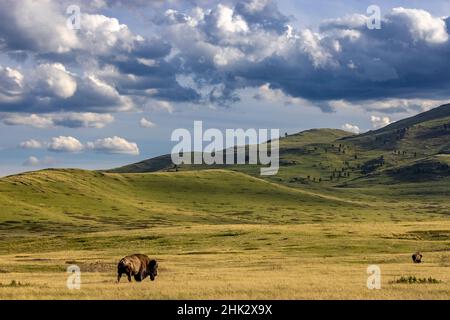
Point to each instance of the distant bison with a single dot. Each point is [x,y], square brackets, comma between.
[138,266]
[417,257]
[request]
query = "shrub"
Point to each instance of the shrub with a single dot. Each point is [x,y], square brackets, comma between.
[414,279]
[14,284]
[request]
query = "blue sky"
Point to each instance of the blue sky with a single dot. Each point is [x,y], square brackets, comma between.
[112,92]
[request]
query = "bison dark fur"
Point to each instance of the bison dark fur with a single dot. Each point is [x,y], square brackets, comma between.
[417,257]
[138,266]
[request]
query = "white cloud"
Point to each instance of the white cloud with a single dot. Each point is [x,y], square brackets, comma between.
[37,25]
[100,33]
[11,84]
[379,122]
[228,21]
[160,105]
[114,145]
[70,120]
[70,144]
[227,55]
[41,26]
[50,86]
[145,123]
[266,93]
[422,25]
[99,91]
[311,44]
[33,161]
[65,144]
[388,106]
[82,120]
[343,59]
[32,120]
[348,22]
[31,144]
[53,80]
[351,128]
[231,46]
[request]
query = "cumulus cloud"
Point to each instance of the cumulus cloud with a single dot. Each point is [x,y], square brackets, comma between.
[145,123]
[32,120]
[11,84]
[379,122]
[31,144]
[82,120]
[38,26]
[387,106]
[33,161]
[106,67]
[102,43]
[53,80]
[227,21]
[160,105]
[70,144]
[351,128]
[114,145]
[343,60]
[50,87]
[267,93]
[422,26]
[65,144]
[70,120]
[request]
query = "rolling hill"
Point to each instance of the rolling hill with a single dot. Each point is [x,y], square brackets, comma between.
[64,200]
[412,150]
[325,175]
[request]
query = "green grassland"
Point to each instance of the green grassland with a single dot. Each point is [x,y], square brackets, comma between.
[339,204]
[217,234]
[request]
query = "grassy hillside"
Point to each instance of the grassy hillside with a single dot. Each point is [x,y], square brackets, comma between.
[322,158]
[292,144]
[435,114]
[58,200]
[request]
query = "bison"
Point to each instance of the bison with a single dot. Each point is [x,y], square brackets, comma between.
[138,266]
[417,257]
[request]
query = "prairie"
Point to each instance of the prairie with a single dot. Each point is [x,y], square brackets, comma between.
[339,204]
[310,261]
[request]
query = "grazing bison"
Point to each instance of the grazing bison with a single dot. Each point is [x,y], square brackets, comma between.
[138,266]
[417,257]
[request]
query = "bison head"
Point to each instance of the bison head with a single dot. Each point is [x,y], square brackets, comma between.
[152,269]
[417,257]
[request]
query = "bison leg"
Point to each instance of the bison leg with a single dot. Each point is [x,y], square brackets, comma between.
[129,277]
[119,275]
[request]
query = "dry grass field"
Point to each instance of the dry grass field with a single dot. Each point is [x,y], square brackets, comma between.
[311,261]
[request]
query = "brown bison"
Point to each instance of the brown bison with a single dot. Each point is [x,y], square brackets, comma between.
[138,266]
[417,257]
